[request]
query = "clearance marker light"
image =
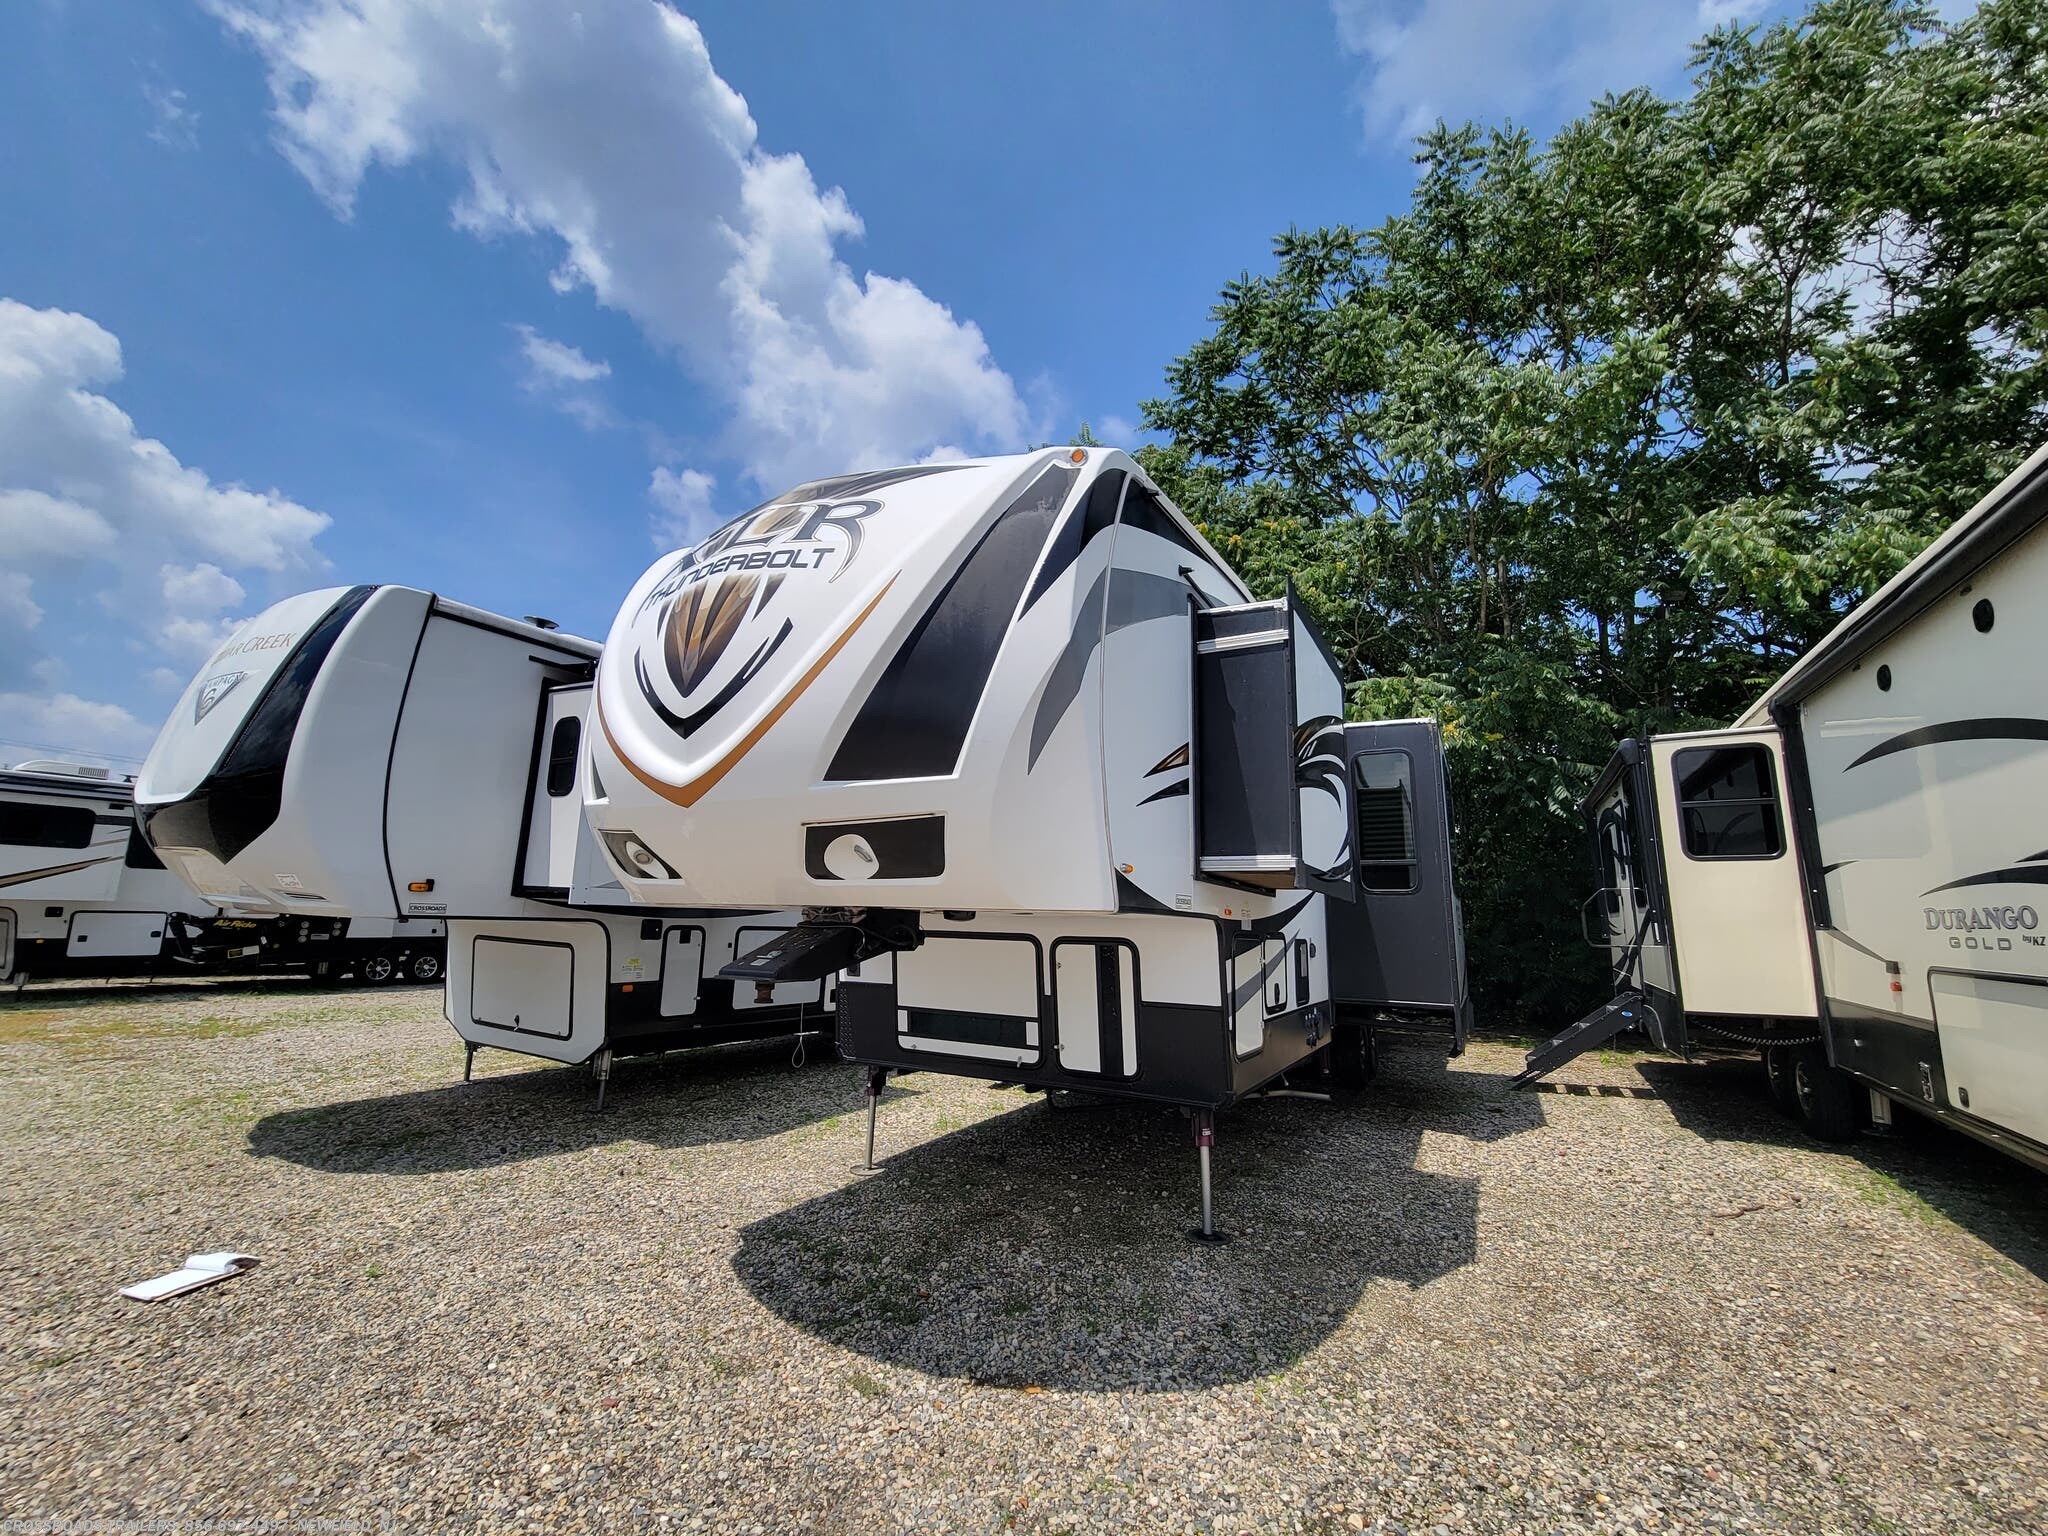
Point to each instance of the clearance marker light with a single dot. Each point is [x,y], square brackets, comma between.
[421,885]
[1128,869]
[1078,456]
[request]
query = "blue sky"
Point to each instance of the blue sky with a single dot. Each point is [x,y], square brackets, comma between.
[500,297]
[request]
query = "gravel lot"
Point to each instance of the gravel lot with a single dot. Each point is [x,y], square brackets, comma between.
[1643,1304]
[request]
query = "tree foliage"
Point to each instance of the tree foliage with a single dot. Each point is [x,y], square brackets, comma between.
[1599,434]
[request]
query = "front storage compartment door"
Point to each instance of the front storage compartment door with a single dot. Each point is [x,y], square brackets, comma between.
[522,984]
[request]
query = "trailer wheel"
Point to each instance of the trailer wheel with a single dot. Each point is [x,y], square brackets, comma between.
[426,967]
[377,967]
[1354,1054]
[1778,1073]
[1828,1099]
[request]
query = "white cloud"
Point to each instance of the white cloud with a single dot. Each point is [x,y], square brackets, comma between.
[604,129]
[201,588]
[17,607]
[1533,61]
[97,519]
[65,725]
[1120,431]
[682,498]
[550,363]
[563,375]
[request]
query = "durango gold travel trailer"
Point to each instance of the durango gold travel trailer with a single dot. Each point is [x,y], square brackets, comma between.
[1853,874]
[382,754]
[80,892]
[1063,803]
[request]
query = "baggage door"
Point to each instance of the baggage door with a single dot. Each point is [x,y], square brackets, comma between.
[6,945]
[1401,944]
[554,815]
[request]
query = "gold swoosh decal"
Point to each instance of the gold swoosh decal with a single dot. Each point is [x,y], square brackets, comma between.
[690,793]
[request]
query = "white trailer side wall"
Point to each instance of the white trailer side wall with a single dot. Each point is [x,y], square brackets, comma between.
[1928,763]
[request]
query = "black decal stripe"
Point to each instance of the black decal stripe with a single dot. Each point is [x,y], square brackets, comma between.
[1131,897]
[1168,793]
[2019,875]
[1142,510]
[914,721]
[1277,923]
[1133,597]
[1095,512]
[49,870]
[863,484]
[2002,728]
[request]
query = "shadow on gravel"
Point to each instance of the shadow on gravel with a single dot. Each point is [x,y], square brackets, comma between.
[687,1098]
[1920,1164]
[1049,1246]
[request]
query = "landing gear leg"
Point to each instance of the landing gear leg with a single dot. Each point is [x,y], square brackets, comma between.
[468,1059]
[601,1068]
[1205,1137]
[876,1077]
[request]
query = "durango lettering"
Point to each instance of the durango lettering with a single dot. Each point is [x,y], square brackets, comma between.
[1981,919]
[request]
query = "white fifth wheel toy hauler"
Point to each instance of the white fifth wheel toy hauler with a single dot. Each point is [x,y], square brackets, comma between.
[381,754]
[1063,805]
[1853,875]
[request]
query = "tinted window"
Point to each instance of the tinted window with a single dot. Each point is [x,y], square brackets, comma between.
[45,826]
[562,755]
[1382,793]
[1727,805]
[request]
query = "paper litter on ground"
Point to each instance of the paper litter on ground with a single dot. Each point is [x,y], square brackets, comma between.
[200,1269]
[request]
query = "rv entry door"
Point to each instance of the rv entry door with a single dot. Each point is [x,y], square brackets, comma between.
[1401,944]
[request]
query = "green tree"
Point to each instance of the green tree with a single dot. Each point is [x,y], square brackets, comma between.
[1597,435]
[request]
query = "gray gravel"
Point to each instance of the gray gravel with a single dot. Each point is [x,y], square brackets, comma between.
[1447,1308]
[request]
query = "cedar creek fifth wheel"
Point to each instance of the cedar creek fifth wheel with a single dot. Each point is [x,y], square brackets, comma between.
[381,755]
[1061,803]
[1853,874]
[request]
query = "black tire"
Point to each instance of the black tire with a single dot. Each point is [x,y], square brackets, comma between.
[1828,1099]
[376,968]
[1778,1073]
[425,966]
[1354,1055]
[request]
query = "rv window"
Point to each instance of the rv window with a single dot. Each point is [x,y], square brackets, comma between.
[1728,803]
[1383,792]
[562,755]
[45,826]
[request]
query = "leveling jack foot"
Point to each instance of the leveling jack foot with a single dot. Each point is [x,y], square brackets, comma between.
[468,1060]
[876,1076]
[601,1069]
[1205,1138]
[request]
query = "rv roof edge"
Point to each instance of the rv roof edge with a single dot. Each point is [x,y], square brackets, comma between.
[2001,517]
[483,618]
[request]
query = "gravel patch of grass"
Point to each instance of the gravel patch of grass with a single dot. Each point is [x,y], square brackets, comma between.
[1638,1303]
